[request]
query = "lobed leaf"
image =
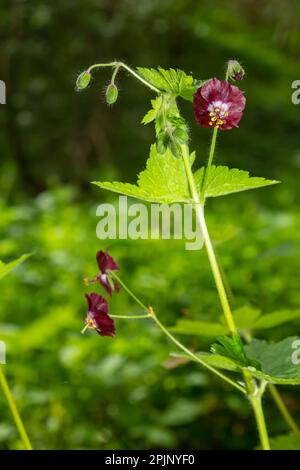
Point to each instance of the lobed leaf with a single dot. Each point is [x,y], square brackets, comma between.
[223,180]
[173,81]
[164,180]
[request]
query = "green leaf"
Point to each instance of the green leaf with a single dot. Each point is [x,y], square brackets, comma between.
[222,181]
[164,180]
[233,348]
[152,113]
[199,328]
[276,360]
[285,442]
[275,319]
[5,268]
[215,360]
[173,81]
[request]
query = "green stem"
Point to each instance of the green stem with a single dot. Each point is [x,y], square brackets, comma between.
[152,314]
[283,410]
[209,163]
[199,208]
[126,67]
[14,411]
[260,421]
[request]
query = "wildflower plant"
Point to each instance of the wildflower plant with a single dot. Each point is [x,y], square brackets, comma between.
[249,365]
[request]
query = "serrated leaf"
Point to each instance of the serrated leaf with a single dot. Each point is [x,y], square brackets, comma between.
[223,180]
[173,81]
[5,268]
[273,319]
[164,180]
[276,360]
[152,113]
[285,442]
[199,328]
[233,348]
[215,360]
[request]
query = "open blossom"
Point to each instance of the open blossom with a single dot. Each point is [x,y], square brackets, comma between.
[97,315]
[106,265]
[219,104]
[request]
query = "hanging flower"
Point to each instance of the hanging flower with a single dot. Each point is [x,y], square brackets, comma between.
[97,316]
[106,265]
[219,104]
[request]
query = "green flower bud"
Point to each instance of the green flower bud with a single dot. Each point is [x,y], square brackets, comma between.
[83,80]
[181,136]
[175,149]
[161,143]
[111,94]
[235,70]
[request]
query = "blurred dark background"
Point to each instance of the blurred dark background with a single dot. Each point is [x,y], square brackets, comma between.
[87,392]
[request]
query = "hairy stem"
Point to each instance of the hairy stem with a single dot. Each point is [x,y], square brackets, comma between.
[117,65]
[208,244]
[152,314]
[14,410]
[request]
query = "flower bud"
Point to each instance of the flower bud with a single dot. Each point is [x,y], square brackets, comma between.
[161,143]
[175,149]
[181,136]
[235,70]
[111,94]
[83,80]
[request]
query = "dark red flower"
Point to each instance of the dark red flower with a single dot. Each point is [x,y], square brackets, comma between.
[106,265]
[97,316]
[219,104]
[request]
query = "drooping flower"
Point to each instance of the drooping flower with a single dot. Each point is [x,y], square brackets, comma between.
[219,104]
[97,316]
[106,265]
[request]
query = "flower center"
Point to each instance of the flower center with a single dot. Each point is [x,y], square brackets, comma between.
[90,323]
[217,115]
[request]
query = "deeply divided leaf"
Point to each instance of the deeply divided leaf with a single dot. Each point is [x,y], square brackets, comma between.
[163,181]
[173,81]
[223,180]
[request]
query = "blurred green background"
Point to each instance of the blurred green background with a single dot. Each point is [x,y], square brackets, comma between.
[87,392]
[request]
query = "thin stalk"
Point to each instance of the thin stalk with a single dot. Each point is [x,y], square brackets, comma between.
[199,208]
[209,163]
[260,421]
[283,410]
[126,67]
[14,410]
[152,314]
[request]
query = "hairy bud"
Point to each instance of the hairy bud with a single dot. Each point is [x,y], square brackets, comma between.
[111,94]
[83,80]
[235,70]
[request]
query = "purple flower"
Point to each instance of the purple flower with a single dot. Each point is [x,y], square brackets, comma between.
[219,104]
[97,316]
[106,265]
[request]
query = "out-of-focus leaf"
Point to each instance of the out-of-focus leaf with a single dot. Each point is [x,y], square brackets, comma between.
[5,268]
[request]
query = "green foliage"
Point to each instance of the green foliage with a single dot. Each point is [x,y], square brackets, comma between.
[233,348]
[163,181]
[269,361]
[199,328]
[223,180]
[276,360]
[285,442]
[176,82]
[247,319]
[5,268]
